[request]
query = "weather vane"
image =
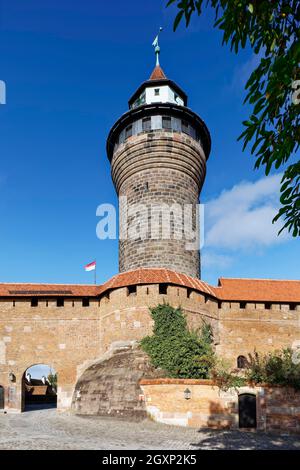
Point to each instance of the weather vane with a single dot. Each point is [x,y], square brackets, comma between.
[156,46]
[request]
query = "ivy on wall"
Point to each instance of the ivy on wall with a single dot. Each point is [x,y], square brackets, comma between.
[187,354]
[177,350]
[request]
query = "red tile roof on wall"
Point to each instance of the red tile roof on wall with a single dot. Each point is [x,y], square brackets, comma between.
[155,276]
[157,74]
[47,290]
[249,290]
[259,290]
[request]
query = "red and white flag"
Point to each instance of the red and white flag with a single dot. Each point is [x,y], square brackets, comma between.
[90,266]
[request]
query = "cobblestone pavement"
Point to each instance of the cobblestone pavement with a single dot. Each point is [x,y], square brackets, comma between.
[47,429]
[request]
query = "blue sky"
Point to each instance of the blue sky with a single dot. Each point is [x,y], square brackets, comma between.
[70,67]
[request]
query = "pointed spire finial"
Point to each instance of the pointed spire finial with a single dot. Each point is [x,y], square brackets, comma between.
[156,46]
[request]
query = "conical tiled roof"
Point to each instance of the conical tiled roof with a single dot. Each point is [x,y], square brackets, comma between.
[158,74]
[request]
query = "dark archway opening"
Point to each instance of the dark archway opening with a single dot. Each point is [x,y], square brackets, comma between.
[39,388]
[247,410]
[1,397]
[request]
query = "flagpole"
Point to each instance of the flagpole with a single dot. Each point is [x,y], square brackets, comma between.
[95,275]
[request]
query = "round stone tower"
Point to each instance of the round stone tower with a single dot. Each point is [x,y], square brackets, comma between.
[158,152]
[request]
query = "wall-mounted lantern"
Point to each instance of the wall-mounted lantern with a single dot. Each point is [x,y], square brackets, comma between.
[187,394]
[11,377]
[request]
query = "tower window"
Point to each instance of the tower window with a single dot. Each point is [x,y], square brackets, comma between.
[128,131]
[166,122]
[156,91]
[146,124]
[176,98]
[140,101]
[185,127]
[34,302]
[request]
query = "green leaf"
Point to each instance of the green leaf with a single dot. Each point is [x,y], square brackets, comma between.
[177,20]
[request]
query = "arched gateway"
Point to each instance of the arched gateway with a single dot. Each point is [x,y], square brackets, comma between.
[39,387]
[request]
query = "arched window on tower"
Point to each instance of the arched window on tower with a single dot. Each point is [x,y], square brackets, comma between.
[242,362]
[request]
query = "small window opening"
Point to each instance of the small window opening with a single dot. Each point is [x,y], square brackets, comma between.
[85,302]
[189,292]
[131,290]
[185,127]
[60,302]
[106,296]
[166,122]
[242,362]
[156,91]
[128,131]
[163,289]
[34,302]
[146,124]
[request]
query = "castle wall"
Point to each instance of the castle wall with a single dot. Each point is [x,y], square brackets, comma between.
[73,337]
[242,330]
[66,338]
[126,316]
[277,408]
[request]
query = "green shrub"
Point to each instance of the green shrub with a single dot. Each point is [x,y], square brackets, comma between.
[275,368]
[224,378]
[173,347]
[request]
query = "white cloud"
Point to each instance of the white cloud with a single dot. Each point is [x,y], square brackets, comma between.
[242,72]
[242,216]
[212,260]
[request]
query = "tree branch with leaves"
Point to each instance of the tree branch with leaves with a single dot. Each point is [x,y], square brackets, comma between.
[272,29]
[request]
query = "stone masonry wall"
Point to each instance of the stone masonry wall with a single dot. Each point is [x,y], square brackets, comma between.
[242,330]
[111,387]
[277,409]
[155,169]
[126,316]
[72,338]
[66,338]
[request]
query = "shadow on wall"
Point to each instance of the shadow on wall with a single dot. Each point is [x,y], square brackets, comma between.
[215,437]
